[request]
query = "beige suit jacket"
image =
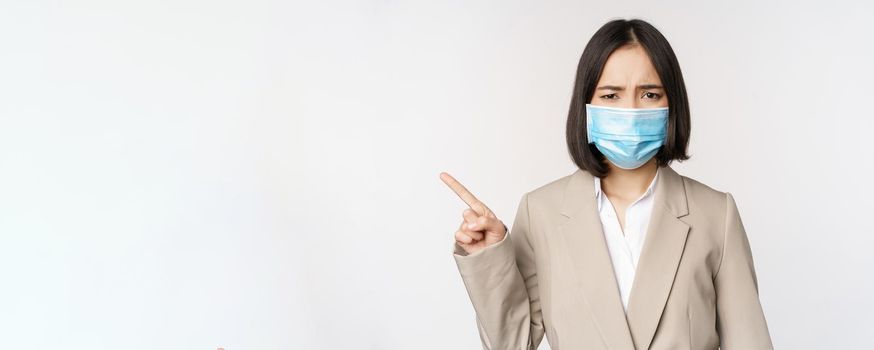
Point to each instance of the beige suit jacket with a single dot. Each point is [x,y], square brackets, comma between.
[695,286]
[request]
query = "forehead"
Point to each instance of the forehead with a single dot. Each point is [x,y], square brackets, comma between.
[629,65]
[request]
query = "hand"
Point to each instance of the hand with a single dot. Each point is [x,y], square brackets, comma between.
[480,227]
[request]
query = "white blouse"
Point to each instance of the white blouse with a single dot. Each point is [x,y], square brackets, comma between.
[625,248]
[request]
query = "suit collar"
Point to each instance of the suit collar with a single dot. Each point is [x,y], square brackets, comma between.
[649,190]
[587,252]
[581,181]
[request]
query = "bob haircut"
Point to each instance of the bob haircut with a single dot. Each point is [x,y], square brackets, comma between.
[608,38]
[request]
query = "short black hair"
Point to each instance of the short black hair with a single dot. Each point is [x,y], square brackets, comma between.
[608,38]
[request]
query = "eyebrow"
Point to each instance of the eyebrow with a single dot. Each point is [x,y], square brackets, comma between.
[620,88]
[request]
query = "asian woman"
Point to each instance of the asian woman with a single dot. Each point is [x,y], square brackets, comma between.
[624,253]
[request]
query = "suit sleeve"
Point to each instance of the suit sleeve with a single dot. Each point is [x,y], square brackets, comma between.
[740,320]
[501,281]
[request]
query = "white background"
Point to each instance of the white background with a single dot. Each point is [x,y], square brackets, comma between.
[264,174]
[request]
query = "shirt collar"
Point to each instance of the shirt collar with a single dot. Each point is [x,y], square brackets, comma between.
[649,190]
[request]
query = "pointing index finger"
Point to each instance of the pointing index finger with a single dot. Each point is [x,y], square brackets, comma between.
[463,193]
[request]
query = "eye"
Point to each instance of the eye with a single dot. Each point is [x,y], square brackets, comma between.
[652,95]
[610,96]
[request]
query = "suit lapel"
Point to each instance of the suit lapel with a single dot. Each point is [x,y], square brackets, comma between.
[657,266]
[590,260]
[663,246]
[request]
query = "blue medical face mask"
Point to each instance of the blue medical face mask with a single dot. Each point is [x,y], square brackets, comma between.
[628,137]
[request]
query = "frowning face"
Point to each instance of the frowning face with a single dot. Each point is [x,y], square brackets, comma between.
[629,80]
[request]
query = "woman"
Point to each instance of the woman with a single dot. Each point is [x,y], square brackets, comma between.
[624,253]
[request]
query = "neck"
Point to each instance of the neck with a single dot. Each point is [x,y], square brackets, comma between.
[628,183]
